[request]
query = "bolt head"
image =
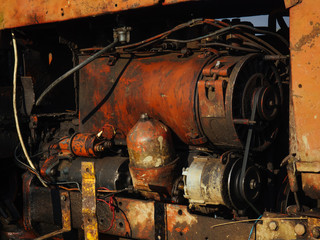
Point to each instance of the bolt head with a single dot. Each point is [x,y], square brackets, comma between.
[273,226]
[63,198]
[300,229]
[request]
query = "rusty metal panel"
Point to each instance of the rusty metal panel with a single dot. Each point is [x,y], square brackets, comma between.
[118,94]
[305,70]
[181,224]
[275,226]
[17,13]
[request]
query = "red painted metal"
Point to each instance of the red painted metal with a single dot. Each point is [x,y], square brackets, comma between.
[155,183]
[149,144]
[80,144]
[162,86]
[45,168]
[151,155]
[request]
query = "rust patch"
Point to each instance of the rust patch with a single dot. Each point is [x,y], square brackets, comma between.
[308,38]
[154,182]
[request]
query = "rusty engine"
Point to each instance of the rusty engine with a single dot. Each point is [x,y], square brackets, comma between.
[150,139]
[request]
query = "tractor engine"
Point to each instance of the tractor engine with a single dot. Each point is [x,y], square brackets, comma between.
[194,122]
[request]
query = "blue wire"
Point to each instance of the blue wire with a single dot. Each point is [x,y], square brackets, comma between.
[253,227]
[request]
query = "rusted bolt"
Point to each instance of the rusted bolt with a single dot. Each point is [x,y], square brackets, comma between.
[316,232]
[300,229]
[63,198]
[273,226]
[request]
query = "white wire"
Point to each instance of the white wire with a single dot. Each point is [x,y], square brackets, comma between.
[15,112]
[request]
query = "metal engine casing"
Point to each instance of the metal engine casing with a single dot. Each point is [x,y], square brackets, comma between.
[199,97]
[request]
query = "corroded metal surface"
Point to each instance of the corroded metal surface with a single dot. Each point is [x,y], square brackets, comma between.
[181,224]
[154,182]
[89,201]
[19,13]
[149,144]
[119,94]
[151,153]
[310,184]
[195,107]
[276,226]
[137,219]
[305,73]
[80,144]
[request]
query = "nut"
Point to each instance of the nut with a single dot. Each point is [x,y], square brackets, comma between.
[273,226]
[300,229]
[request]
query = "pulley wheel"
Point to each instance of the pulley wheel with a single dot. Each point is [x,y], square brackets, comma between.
[251,185]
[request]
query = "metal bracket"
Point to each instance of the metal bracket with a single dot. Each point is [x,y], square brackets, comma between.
[89,207]
[66,217]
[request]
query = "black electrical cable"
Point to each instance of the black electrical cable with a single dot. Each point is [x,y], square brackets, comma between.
[154,39]
[226,29]
[263,32]
[215,33]
[230,46]
[73,70]
[151,40]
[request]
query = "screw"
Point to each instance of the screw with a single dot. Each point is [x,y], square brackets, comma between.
[316,232]
[63,198]
[273,226]
[300,229]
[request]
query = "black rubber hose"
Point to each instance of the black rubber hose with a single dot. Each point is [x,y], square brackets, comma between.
[73,70]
